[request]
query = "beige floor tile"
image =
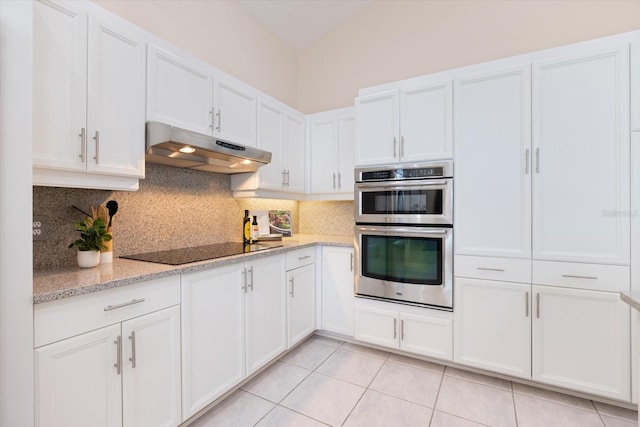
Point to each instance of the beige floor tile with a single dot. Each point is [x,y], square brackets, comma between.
[283,417]
[239,409]
[407,382]
[309,355]
[477,402]
[553,396]
[423,364]
[478,378]
[326,340]
[275,382]
[617,422]
[534,412]
[442,419]
[380,410]
[617,412]
[324,399]
[366,350]
[356,368]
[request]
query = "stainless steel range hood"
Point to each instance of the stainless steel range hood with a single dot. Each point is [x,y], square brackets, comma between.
[172,146]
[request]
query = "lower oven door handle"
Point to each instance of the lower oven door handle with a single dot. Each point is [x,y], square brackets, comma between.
[397,231]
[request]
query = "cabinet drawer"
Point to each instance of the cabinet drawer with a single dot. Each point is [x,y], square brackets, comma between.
[503,269]
[301,257]
[581,276]
[71,316]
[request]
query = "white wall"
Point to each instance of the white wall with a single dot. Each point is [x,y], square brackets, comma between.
[224,35]
[394,40]
[16,286]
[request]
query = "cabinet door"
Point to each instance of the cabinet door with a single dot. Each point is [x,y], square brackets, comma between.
[426,123]
[346,147]
[635,87]
[428,335]
[377,128]
[294,152]
[151,369]
[266,311]
[492,326]
[271,138]
[581,149]
[635,211]
[581,341]
[77,383]
[178,93]
[235,113]
[116,105]
[301,306]
[59,86]
[493,175]
[337,290]
[376,326]
[212,335]
[324,144]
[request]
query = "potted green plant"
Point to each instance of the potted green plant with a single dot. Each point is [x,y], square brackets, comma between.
[93,234]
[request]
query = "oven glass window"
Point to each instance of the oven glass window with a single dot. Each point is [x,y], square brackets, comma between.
[422,202]
[415,260]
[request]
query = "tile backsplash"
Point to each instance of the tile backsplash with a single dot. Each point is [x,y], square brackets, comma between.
[173,208]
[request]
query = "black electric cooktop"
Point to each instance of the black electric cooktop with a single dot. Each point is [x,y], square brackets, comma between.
[200,253]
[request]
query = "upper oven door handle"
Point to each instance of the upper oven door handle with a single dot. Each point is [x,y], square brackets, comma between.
[400,230]
[403,185]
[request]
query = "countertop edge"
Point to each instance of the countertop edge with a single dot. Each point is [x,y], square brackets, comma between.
[94,282]
[630,299]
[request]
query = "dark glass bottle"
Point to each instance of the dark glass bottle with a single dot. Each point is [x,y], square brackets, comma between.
[246,228]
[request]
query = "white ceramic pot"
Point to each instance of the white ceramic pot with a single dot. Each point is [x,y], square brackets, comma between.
[88,259]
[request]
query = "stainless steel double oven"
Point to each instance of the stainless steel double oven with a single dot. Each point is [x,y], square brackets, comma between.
[404,233]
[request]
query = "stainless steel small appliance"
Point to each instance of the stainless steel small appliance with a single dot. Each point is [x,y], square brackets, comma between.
[404,233]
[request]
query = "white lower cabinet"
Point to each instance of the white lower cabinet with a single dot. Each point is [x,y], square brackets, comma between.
[337,290]
[416,330]
[492,326]
[121,375]
[581,341]
[301,303]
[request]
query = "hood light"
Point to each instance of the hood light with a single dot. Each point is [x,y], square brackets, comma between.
[187,150]
[246,162]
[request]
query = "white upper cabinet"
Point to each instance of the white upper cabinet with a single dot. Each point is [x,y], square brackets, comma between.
[378,128]
[294,150]
[331,140]
[179,93]
[635,87]
[581,158]
[405,125]
[492,156]
[89,87]
[271,138]
[235,113]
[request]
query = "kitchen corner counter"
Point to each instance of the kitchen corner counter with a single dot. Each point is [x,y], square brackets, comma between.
[632,299]
[50,285]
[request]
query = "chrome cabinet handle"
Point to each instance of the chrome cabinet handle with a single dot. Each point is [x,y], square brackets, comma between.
[96,138]
[288,171]
[526,162]
[292,293]
[83,145]
[526,304]
[339,180]
[351,263]
[124,304]
[300,258]
[537,160]
[219,114]
[395,328]
[538,306]
[395,142]
[574,276]
[213,120]
[251,282]
[401,146]
[132,359]
[402,330]
[334,180]
[244,280]
[490,269]
[118,364]
[284,179]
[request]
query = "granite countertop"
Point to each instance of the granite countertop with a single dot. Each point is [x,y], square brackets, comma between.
[631,298]
[50,285]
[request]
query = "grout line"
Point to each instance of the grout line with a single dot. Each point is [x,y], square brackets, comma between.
[435,403]
[513,402]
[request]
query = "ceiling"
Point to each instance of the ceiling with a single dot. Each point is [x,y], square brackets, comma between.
[300,23]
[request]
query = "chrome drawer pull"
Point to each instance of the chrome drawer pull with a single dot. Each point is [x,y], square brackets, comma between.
[124,304]
[490,269]
[304,257]
[573,276]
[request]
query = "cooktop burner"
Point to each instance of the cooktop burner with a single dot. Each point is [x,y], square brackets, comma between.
[199,253]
